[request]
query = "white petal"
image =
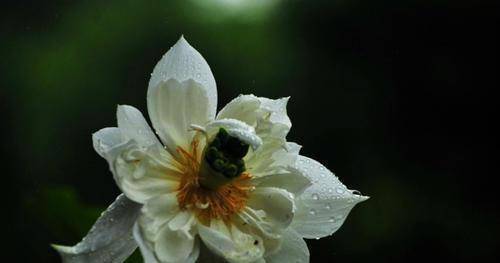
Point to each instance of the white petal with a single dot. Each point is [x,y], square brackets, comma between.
[146,250]
[236,128]
[133,126]
[182,223]
[277,204]
[166,245]
[269,117]
[231,243]
[174,106]
[269,212]
[183,62]
[273,157]
[292,181]
[323,207]
[185,65]
[293,249]
[110,239]
[159,209]
[142,173]
[105,139]
[173,246]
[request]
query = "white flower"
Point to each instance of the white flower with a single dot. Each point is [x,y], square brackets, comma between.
[226,186]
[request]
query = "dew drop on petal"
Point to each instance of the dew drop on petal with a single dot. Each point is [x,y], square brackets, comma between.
[312,212]
[340,190]
[328,206]
[315,196]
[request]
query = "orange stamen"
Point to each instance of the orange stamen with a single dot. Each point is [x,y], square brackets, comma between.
[220,203]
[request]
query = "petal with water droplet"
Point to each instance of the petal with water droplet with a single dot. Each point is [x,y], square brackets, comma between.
[323,207]
[133,126]
[110,239]
[181,92]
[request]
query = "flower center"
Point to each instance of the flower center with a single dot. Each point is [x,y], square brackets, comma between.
[215,184]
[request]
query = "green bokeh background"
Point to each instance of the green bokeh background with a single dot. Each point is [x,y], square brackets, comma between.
[393,96]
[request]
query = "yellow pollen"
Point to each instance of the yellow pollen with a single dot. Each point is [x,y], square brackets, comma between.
[220,203]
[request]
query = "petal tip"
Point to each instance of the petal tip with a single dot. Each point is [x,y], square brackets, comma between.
[61,248]
[182,42]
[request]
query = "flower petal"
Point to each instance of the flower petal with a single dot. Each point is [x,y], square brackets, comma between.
[166,246]
[190,97]
[323,207]
[173,107]
[183,62]
[274,157]
[159,210]
[293,249]
[142,173]
[106,139]
[269,117]
[147,253]
[110,239]
[133,126]
[270,209]
[231,243]
[173,246]
[292,181]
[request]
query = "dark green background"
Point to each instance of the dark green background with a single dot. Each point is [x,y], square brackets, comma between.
[395,97]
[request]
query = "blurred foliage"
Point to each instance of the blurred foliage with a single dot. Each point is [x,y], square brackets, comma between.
[393,96]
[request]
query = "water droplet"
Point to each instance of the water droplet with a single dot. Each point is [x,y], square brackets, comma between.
[332,219]
[340,190]
[330,190]
[315,196]
[328,206]
[312,212]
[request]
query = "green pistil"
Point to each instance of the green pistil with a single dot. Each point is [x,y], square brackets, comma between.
[225,154]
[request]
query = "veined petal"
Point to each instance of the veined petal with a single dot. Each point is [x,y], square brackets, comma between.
[269,117]
[292,181]
[142,173]
[159,210]
[110,239]
[274,157]
[165,245]
[181,63]
[174,106]
[323,207]
[133,126]
[231,243]
[276,203]
[106,139]
[173,246]
[146,251]
[293,249]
